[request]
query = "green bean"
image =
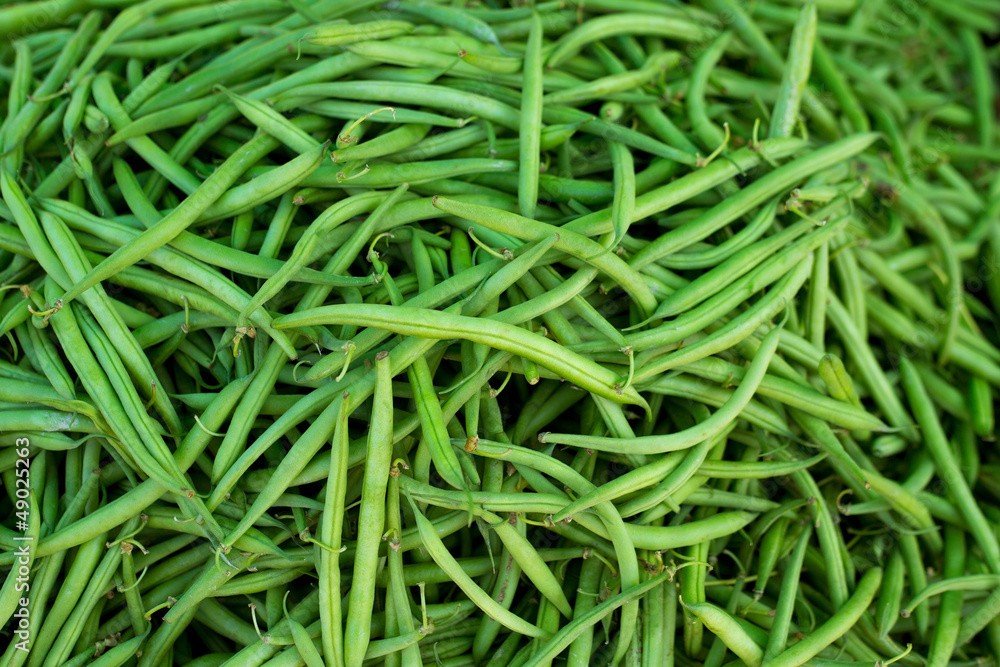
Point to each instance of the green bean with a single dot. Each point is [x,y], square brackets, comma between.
[105,97]
[449,143]
[20,82]
[796,74]
[890,597]
[264,187]
[637,478]
[440,325]
[757,41]
[568,633]
[63,174]
[837,380]
[209,252]
[569,242]
[610,521]
[302,641]
[437,97]
[435,434]
[77,577]
[737,329]
[52,366]
[588,591]
[480,597]
[305,248]
[623,205]
[554,188]
[76,108]
[511,14]
[552,21]
[199,248]
[983,84]
[27,222]
[391,175]
[946,465]
[506,652]
[174,45]
[966,358]
[706,429]
[176,264]
[451,17]
[270,121]
[351,111]
[331,530]
[981,407]
[602,87]
[435,296]
[161,120]
[552,281]
[778,637]
[116,331]
[946,629]
[172,224]
[692,585]
[868,366]
[388,143]
[754,411]
[434,62]
[504,592]
[754,194]
[399,595]
[723,625]
[974,622]
[741,470]
[838,624]
[115,402]
[672,489]
[384,647]
[792,395]
[253,55]
[532,565]
[95,589]
[614,132]
[651,114]
[499,282]
[235,209]
[530,126]
[306,446]
[47,421]
[972,582]
[311,403]
[837,83]
[431,573]
[707,132]
[625,23]
[340,34]
[494,64]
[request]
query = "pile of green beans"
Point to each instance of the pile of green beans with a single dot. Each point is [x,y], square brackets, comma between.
[477,333]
